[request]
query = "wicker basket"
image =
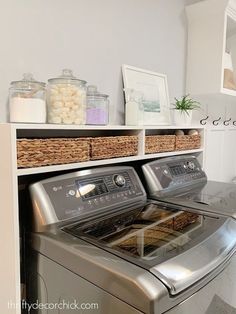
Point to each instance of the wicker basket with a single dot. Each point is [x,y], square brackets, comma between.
[186,142]
[159,143]
[51,151]
[113,146]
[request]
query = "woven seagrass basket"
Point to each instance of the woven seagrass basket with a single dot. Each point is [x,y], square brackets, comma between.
[113,146]
[186,142]
[51,151]
[159,143]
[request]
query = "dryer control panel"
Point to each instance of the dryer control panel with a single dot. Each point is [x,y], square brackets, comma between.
[169,174]
[85,192]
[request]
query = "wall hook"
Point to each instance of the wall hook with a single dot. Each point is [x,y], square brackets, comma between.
[226,122]
[216,122]
[204,121]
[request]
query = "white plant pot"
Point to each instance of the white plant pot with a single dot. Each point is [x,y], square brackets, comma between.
[182,118]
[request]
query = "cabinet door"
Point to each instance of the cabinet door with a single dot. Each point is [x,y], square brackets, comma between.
[229,156]
[214,154]
[220,156]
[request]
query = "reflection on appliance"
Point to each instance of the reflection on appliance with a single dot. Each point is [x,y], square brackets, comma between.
[145,235]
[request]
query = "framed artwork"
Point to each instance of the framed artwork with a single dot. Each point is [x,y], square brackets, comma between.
[154,89]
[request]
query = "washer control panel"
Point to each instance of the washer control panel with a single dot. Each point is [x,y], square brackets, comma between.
[168,174]
[83,192]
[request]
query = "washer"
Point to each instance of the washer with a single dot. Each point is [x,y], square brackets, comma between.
[181,181]
[98,241]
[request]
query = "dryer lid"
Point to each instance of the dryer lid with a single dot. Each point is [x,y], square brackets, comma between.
[214,197]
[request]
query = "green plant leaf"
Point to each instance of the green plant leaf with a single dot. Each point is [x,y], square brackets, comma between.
[186,103]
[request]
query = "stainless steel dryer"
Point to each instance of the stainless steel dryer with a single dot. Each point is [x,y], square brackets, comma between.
[97,241]
[179,180]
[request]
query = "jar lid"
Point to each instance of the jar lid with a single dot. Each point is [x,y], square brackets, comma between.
[92,91]
[27,83]
[67,77]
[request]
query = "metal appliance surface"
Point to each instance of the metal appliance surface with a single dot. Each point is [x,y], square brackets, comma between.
[96,231]
[181,181]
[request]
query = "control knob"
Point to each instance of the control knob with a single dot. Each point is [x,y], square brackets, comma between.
[119,180]
[191,165]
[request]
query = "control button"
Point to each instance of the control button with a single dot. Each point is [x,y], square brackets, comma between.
[119,180]
[57,188]
[72,192]
[165,171]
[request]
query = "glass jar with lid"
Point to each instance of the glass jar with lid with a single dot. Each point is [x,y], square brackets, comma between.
[66,99]
[97,107]
[27,100]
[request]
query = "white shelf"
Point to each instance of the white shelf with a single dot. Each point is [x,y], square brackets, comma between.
[141,131]
[46,169]
[47,126]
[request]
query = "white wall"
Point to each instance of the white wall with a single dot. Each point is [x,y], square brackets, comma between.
[92,37]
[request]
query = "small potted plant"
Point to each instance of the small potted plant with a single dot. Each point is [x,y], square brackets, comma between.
[183,108]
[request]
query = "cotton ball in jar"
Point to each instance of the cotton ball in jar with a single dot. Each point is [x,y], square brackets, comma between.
[193,132]
[179,132]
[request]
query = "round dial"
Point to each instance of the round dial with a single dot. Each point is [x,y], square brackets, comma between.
[190,165]
[119,180]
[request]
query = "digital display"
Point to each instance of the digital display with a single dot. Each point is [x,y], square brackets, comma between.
[89,189]
[177,170]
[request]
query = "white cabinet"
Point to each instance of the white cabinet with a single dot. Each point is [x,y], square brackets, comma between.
[220,154]
[211,33]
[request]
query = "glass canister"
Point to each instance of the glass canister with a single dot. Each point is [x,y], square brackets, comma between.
[97,107]
[66,99]
[27,100]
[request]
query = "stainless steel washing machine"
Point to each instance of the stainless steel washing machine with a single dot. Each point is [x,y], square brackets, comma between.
[98,240]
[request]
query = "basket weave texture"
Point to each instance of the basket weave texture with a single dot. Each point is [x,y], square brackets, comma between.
[159,143]
[186,142]
[51,151]
[113,146]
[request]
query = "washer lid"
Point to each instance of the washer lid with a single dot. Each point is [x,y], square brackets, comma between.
[179,247]
[193,265]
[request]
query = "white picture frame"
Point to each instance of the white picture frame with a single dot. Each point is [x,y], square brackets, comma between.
[154,88]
